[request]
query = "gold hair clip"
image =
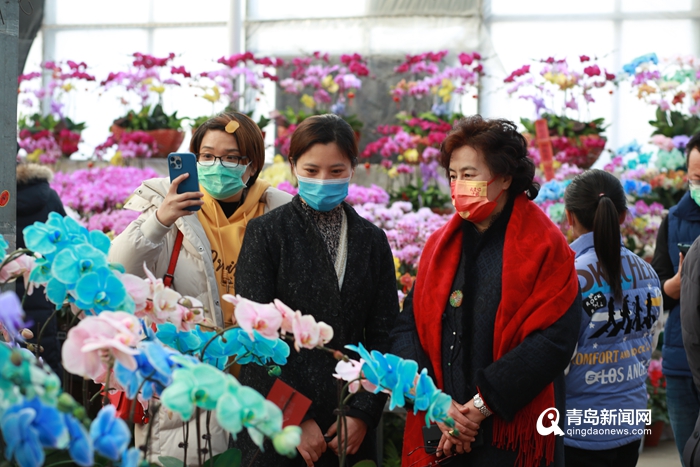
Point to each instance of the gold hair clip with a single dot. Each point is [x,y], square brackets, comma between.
[232,126]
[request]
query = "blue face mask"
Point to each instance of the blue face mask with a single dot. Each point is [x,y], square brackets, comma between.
[323,195]
[221,182]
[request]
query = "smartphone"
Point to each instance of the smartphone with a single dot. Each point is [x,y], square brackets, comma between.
[684,247]
[180,163]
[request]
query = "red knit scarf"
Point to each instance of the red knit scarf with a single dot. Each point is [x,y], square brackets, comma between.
[539,284]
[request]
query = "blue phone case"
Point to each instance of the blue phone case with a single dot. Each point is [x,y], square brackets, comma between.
[184,162]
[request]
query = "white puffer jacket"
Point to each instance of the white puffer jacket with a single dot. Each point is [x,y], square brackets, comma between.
[147,240]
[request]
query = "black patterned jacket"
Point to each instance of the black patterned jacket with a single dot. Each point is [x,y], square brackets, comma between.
[283,256]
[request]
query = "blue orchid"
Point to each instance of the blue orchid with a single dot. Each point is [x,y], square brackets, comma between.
[47,422]
[634,146]
[80,448]
[47,238]
[425,388]
[75,261]
[397,375]
[131,458]
[260,350]
[3,247]
[153,363]
[21,439]
[631,67]
[99,291]
[41,273]
[110,435]
[185,342]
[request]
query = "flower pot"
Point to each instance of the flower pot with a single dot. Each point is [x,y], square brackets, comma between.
[168,140]
[652,439]
[117,132]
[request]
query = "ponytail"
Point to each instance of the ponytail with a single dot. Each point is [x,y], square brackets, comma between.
[606,240]
[597,199]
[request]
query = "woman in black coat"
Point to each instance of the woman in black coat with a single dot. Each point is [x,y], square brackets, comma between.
[35,200]
[317,255]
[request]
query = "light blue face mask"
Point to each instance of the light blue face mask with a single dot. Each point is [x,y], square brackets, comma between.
[221,182]
[323,195]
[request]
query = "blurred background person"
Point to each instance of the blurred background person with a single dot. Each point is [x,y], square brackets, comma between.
[681,226]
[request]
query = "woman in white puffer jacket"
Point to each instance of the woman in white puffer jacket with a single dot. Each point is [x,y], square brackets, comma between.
[230,153]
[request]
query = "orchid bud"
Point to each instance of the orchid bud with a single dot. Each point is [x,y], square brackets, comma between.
[27,333]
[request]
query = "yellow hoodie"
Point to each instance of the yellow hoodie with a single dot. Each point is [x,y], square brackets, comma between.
[226,237]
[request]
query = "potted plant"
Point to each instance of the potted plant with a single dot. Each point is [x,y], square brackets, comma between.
[324,88]
[148,78]
[671,86]
[560,91]
[48,135]
[429,74]
[656,390]
[221,86]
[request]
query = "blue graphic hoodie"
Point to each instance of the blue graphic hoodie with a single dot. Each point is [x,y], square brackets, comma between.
[606,395]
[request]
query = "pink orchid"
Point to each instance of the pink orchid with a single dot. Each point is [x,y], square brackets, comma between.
[21,266]
[325,332]
[664,142]
[287,316]
[264,318]
[112,333]
[139,291]
[350,371]
[166,307]
[306,331]
[192,314]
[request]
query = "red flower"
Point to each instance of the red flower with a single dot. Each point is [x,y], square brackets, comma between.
[593,70]
[523,70]
[269,76]
[180,70]
[584,58]
[678,98]
[609,76]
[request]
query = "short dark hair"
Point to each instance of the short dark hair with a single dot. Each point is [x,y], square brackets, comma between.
[248,137]
[693,143]
[501,145]
[323,129]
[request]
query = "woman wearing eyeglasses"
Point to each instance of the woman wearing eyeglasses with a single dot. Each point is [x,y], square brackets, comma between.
[230,154]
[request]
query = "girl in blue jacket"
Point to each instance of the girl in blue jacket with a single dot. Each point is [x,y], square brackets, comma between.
[606,398]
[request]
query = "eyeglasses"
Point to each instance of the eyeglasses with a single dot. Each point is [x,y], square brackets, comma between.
[230,162]
[694,183]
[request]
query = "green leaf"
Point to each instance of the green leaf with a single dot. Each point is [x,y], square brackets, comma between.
[169,461]
[365,463]
[228,458]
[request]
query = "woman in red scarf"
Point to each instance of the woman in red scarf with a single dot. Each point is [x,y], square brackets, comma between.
[495,311]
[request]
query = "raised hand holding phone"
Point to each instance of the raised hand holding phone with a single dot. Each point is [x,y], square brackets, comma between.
[183,197]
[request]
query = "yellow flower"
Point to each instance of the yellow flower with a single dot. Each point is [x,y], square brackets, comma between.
[278,172]
[117,159]
[214,96]
[308,101]
[645,89]
[147,81]
[397,265]
[392,172]
[34,156]
[68,87]
[445,90]
[330,85]
[411,155]
[159,89]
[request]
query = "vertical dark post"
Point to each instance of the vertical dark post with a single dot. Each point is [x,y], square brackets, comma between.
[9,32]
